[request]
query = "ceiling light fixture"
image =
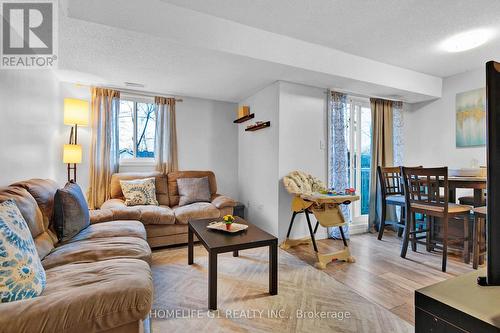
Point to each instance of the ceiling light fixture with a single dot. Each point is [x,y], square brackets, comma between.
[467,40]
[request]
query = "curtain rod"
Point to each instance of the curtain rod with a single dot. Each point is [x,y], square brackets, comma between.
[353,94]
[141,93]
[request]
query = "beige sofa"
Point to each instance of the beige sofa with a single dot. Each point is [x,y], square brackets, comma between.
[99,281]
[165,224]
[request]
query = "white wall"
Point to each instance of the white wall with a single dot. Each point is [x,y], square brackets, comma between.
[258,179]
[295,141]
[32,132]
[429,128]
[208,140]
[302,145]
[29,127]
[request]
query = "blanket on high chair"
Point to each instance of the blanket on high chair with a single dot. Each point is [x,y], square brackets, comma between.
[298,183]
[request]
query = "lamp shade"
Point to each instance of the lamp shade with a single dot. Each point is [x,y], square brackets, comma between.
[72,154]
[76,112]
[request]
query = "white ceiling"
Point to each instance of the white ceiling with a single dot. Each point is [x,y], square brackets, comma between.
[404,33]
[227,50]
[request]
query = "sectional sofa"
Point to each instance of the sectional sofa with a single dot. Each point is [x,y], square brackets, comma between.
[100,280]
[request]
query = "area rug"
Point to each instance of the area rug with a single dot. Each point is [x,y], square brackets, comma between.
[308,299]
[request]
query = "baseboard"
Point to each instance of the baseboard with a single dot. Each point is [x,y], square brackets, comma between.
[357,228]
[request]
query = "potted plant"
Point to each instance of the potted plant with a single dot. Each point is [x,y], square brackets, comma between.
[228,219]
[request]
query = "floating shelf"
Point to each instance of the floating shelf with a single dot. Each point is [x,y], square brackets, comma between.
[258,127]
[244,118]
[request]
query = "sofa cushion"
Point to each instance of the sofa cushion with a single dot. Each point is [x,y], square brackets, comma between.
[173,191]
[21,273]
[44,191]
[112,229]
[71,212]
[160,183]
[81,298]
[32,215]
[193,190]
[139,191]
[147,214]
[98,249]
[195,211]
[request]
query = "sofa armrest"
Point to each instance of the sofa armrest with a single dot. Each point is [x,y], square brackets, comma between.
[221,201]
[101,215]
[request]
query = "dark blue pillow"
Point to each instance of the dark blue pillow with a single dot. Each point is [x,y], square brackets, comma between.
[71,212]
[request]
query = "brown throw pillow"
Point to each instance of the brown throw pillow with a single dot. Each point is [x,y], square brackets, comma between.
[193,190]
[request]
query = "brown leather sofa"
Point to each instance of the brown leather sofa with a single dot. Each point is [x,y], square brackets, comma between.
[165,224]
[99,281]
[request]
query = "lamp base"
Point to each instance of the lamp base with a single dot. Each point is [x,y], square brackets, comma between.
[71,167]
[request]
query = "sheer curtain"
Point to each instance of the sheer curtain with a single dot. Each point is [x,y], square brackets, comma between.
[166,135]
[104,149]
[338,158]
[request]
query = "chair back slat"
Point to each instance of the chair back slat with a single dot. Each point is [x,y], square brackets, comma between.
[422,188]
[390,180]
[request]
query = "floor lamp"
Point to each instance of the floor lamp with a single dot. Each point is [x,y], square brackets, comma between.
[76,113]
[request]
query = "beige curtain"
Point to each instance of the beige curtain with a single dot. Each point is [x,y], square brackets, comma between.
[166,135]
[104,149]
[382,151]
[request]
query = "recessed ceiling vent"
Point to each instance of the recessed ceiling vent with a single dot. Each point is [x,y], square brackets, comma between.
[134,85]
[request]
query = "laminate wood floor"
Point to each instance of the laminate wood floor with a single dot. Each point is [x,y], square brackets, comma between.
[380,274]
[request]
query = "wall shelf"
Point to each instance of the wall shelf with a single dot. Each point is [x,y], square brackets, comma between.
[257,127]
[244,118]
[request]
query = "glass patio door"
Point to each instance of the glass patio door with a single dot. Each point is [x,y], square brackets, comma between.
[359,140]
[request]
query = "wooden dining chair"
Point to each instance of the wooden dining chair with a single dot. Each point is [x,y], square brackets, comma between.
[422,193]
[391,188]
[479,236]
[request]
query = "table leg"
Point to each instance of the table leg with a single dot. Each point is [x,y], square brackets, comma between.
[212,281]
[273,268]
[478,197]
[452,195]
[190,246]
[236,253]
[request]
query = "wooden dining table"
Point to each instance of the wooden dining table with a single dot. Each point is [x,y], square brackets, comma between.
[478,184]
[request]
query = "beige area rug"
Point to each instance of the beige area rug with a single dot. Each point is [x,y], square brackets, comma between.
[308,300]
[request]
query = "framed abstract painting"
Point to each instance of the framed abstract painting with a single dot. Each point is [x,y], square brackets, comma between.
[471,118]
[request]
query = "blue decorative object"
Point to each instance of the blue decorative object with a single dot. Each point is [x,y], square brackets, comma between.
[338,167]
[21,273]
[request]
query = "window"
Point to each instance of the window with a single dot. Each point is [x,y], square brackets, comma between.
[137,129]
[359,139]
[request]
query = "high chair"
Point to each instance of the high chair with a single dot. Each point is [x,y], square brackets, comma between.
[308,198]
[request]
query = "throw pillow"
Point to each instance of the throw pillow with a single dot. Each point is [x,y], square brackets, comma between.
[193,190]
[139,191]
[71,212]
[21,273]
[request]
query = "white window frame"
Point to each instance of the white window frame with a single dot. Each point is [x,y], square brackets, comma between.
[355,158]
[137,161]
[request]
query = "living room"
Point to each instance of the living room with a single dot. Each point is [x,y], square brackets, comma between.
[341,149]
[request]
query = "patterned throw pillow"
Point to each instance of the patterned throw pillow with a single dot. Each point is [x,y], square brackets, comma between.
[139,191]
[21,273]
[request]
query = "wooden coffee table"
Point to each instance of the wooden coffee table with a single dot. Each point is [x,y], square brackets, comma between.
[216,242]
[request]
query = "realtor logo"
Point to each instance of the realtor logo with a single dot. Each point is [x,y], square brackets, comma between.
[29,34]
